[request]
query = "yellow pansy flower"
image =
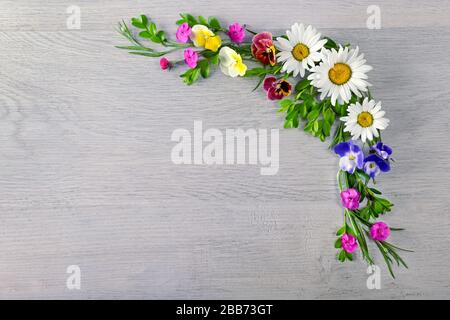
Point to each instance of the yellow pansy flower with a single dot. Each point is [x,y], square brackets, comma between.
[231,62]
[202,37]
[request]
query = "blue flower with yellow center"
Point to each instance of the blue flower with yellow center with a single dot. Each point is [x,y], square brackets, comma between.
[378,160]
[351,156]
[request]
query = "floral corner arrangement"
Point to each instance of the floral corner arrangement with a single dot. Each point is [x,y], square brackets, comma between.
[330,91]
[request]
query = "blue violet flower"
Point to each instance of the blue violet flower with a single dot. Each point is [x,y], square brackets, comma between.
[382,150]
[378,160]
[351,155]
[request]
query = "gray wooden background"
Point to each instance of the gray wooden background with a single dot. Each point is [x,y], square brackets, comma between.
[86,177]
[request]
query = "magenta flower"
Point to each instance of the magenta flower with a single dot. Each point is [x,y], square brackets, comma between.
[277,89]
[350,198]
[190,57]
[380,231]
[236,32]
[349,243]
[183,32]
[164,63]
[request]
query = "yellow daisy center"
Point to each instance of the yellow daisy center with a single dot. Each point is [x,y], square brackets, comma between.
[340,73]
[365,119]
[300,51]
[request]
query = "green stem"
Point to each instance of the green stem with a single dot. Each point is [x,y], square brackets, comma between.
[251,31]
[177,45]
[342,175]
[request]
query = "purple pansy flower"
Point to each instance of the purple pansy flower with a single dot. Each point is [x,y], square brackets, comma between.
[351,156]
[277,89]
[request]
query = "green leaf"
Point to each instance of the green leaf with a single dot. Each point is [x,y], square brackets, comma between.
[208,54]
[311,103]
[385,204]
[316,125]
[361,239]
[386,258]
[302,84]
[285,103]
[135,48]
[144,20]
[341,231]
[303,110]
[140,23]
[338,243]
[214,23]
[152,29]
[362,191]
[291,119]
[255,72]
[204,68]
[203,21]
[326,128]
[293,113]
[161,35]
[330,44]
[313,115]
[341,109]
[365,213]
[349,230]
[212,56]
[362,176]
[151,54]
[308,127]
[195,75]
[261,79]
[190,19]
[342,180]
[155,39]
[351,180]
[190,76]
[329,116]
[342,256]
[205,71]
[145,34]
[376,191]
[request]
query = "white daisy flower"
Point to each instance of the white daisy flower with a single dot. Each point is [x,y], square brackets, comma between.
[301,49]
[339,74]
[365,120]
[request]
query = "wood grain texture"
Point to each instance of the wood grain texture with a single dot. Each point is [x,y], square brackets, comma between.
[87,178]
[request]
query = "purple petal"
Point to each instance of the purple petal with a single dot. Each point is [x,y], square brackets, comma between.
[360,160]
[342,148]
[355,148]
